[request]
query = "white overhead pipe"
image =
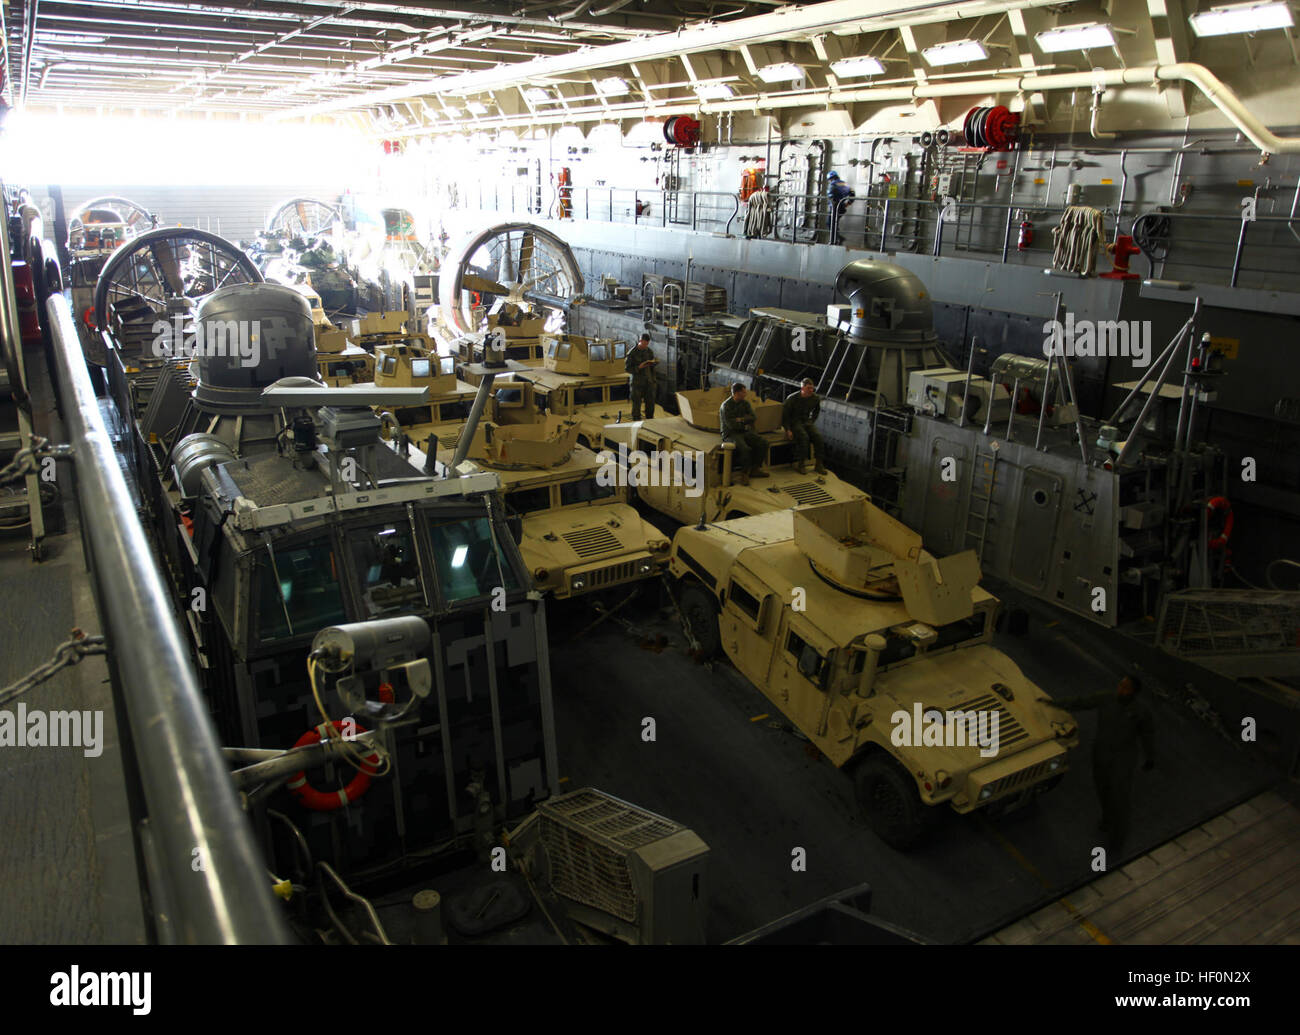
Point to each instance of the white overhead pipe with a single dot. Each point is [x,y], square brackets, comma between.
[1198,75]
[782,24]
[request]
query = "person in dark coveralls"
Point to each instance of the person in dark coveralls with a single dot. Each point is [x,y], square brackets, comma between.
[736,418]
[1125,728]
[799,418]
[640,365]
[840,195]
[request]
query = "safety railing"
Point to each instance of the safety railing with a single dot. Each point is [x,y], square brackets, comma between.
[1262,251]
[207,879]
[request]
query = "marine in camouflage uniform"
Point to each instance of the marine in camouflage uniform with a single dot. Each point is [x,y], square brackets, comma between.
[799,418]
[640,365]
[736,419]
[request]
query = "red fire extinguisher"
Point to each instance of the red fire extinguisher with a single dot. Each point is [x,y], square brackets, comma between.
[1026,237]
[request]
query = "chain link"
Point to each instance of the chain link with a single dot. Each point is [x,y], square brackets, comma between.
[66,654]
[25,460]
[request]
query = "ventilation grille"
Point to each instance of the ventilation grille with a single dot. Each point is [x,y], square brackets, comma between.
[587,836]
[592,542]
[1020,780]
[1010,732]
[807,492]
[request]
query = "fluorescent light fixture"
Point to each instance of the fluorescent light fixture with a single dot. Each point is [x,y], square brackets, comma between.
[956,53]
[1221,21]
[451,113]
[782,72]
[713,91]
[476,107]
[67,39]
[856,66]
[612,86]
[537,95]
[1075,37]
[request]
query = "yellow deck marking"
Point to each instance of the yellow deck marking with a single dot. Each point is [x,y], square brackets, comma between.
[1093,931]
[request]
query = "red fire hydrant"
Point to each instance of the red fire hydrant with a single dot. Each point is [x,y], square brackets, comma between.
[1121,251]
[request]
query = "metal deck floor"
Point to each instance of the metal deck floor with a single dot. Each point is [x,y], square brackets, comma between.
[726,764]
[67,858]
[1234,879]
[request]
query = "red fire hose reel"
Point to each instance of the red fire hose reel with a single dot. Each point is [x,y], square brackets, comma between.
[994,128]
[682,130]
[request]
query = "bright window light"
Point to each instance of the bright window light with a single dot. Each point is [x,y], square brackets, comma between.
[714,91]
[537,95]
[45,148]
[856,66]
[476,107]
[458,556]
[1220,21]
[955,53]
[1075,37]
[612,86]
[783,72]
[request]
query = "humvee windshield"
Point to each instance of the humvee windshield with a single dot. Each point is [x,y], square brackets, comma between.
[584,491]
[619,393]
[527,501]
[410,415]
[298,590]
[587,396]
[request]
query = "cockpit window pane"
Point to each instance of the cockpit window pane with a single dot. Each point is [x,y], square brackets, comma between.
[388,569]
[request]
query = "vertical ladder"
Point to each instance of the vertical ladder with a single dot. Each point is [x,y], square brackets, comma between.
[979,499]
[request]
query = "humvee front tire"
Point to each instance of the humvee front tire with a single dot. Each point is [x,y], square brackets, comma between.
[889,803]
[700,613]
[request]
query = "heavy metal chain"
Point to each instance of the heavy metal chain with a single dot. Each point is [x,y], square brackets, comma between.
[25,460]
[66,654]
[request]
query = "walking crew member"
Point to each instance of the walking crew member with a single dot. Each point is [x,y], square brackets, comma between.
[640,365]
[736,418]
[799,418]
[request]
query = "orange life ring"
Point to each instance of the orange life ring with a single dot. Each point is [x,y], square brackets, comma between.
[329,801]
[1215,505]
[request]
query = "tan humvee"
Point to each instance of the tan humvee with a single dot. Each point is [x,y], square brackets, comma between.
[580,534]
[348,366]
[412,362]
[678,441]
[517,327]
[863,640]
[584,378]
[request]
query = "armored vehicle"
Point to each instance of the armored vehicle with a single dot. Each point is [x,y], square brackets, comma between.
[580,534]
[879,653]
[411,362]
[681,467]
[283,517]
[583,378]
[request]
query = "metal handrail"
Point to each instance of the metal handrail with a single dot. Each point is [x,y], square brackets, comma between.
[192,810]
[869,221]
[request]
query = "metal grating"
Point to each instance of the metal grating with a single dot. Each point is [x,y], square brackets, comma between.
[588,835]
[611,575]
[591,542]
[1010,731]
[1020,779]
[807,492]
[1200,623]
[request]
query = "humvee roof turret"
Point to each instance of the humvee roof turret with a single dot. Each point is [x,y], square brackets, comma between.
[675,484]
